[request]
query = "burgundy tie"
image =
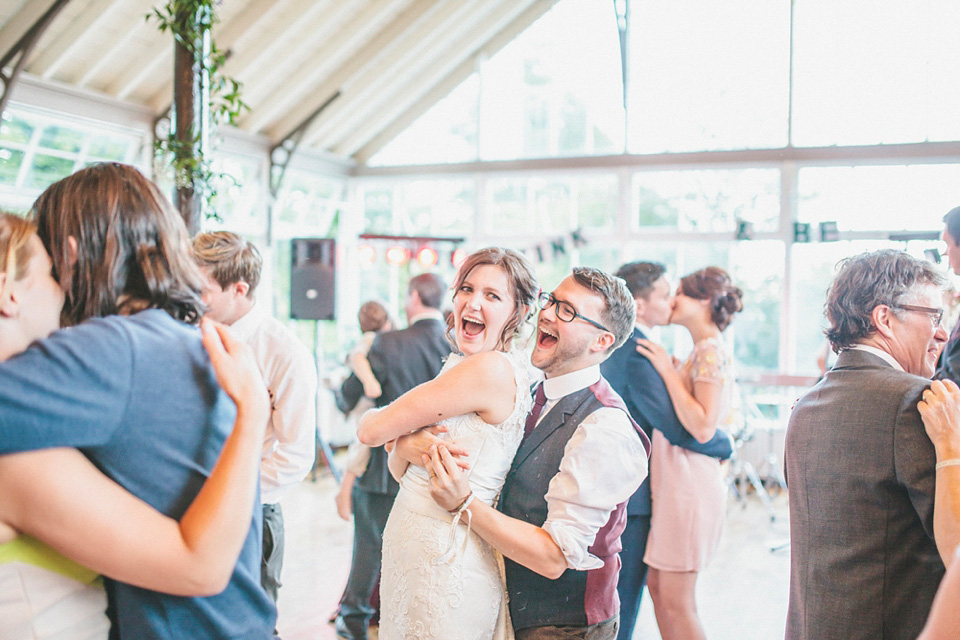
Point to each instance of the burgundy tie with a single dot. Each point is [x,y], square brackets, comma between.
[539,399]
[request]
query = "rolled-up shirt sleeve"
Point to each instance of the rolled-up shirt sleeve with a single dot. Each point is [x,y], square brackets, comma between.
[603,464]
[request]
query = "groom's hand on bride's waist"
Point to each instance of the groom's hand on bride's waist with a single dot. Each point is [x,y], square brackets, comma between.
[414,446]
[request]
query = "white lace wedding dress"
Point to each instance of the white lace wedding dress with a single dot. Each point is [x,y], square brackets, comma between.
[437,582]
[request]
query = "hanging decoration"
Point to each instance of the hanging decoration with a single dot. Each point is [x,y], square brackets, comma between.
[427,251]
[552,248]
[397,255]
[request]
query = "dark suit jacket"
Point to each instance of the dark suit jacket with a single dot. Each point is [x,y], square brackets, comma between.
[633,377]
[863,562]
[948,367]
[400,360]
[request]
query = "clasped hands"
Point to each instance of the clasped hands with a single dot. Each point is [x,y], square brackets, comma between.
[444,461]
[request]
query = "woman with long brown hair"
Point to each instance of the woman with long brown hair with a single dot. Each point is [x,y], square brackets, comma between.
[131,385]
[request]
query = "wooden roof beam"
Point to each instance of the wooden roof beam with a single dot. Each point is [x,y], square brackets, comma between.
[160,54]
[297,16]
[384,96]
[234,36]
[115,50]
[306,88]
[392,57]
[84,25]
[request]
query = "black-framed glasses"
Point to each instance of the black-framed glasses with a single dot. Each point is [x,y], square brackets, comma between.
[935,314]
[565,310]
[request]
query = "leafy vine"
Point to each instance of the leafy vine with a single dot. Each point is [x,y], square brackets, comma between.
[188,21]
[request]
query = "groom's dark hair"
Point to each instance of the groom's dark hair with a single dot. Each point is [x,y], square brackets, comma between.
[619,309]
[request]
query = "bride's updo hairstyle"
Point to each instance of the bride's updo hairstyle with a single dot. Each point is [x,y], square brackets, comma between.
[15,250]
[713,284]
[523,287]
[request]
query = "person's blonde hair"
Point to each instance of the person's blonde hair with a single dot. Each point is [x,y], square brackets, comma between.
[229,257]
[15,251]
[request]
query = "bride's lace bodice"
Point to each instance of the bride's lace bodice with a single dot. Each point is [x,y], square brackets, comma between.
[491,447]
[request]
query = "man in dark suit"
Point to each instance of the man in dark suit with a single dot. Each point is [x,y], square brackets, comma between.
[633,377]
[949,365]
[400,360]
[864,563]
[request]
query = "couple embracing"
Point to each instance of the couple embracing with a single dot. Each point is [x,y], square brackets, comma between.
[563,465]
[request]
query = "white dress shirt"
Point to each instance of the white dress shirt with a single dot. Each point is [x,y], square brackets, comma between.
[880,353]
[289,445]
[603,464]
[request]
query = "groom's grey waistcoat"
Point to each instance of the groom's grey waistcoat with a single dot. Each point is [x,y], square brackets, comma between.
[577,598]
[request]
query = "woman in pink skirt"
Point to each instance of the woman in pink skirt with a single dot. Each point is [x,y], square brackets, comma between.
[687,488]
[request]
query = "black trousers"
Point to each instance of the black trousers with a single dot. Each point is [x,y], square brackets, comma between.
[370,512]
[633,572]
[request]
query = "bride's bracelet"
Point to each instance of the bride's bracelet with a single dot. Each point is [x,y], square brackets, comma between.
[463,505]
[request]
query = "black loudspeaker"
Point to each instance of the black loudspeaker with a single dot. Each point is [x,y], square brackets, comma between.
[313,268]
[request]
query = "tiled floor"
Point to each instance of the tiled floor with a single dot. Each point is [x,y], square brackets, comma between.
[742,595]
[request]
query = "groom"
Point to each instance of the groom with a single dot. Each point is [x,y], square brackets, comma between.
[562,508]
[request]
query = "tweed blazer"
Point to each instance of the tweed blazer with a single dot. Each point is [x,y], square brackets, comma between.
[860,471]
[948,366]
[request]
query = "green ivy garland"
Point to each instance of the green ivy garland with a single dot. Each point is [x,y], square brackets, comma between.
[188,20]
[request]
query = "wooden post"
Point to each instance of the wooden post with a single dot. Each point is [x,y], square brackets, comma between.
[191,120]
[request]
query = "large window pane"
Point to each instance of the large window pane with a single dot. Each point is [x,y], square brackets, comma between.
[708,75]
[48,169]
[597,203]
[15,128]
[10,166]
[104,147]
[240,199]
[447,132]
[707,200]
[886,197]
[62,138]
[876,71]
[429,207]
[307,205]
[556,89]
[548,206]
[757,268]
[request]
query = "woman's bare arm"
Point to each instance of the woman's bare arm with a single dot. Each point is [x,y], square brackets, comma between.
[483,383]
[59,497]
[940,411]
[698,411]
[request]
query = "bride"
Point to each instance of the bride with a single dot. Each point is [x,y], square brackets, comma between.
[482,396]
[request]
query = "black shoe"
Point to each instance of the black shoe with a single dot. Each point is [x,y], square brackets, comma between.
[343,630]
